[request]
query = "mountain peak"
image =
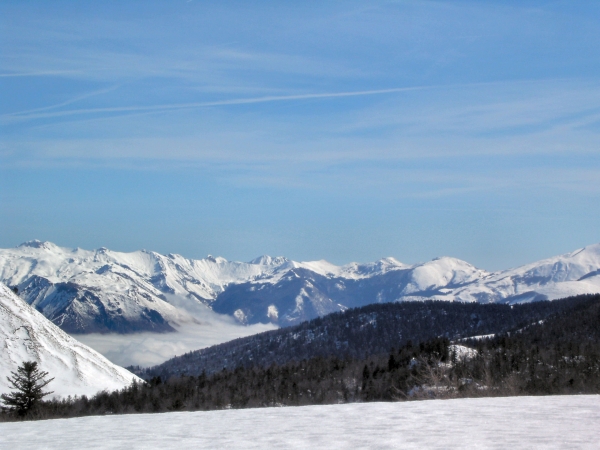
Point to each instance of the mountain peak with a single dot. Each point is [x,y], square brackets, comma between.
[593,249]
[391,261]
[266,260]
[217,259]
[35,243]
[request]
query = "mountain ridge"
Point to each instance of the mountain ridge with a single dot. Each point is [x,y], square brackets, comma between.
[105,291]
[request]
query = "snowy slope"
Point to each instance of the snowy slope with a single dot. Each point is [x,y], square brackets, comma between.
[86,291]
[303,294]
[105,291]
[26,335]
[101,290]
[573,273]
[561,422]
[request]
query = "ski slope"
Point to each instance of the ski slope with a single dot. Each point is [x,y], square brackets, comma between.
[559,422]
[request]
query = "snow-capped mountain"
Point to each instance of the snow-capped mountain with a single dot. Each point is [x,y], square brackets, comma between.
[101,290]
[105,291]
[573,273]
[28,336]
[309,290]
[86,291]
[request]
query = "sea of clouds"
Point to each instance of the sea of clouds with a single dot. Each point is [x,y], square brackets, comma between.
[201,328]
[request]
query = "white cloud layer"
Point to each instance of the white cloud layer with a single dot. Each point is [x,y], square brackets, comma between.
[147,349]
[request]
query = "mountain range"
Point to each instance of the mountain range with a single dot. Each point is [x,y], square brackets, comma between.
[86,291]
[27,335]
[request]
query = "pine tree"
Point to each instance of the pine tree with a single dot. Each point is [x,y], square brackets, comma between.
[29,383]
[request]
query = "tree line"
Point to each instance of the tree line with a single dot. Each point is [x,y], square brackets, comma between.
[356,333]
[557,355]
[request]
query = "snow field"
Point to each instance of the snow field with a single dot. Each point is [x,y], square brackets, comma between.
[553,422]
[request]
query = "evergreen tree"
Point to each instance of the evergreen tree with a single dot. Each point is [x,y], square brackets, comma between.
[29,382]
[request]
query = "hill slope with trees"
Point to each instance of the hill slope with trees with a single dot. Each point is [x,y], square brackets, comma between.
[556,355]
[356,333]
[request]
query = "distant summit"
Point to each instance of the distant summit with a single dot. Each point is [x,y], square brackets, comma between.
[38,244]
[218,259]
[266,260]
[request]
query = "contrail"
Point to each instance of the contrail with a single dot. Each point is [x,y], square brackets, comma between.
[65,103]
[237,101]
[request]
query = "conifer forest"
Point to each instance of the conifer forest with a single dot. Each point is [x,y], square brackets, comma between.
[540,348]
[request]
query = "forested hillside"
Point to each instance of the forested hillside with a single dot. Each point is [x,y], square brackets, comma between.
[356,333]
[559,354]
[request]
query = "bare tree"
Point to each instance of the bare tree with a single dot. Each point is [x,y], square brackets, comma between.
[432,378]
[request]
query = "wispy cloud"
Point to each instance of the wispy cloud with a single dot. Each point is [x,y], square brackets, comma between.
[429,123]
[40,73]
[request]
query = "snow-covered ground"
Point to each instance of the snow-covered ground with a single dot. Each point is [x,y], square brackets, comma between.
[560,422]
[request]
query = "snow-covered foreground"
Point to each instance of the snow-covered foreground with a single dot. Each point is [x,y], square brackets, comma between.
[515,422]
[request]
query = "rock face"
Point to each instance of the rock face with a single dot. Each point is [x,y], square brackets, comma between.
[101,290]
[26,335]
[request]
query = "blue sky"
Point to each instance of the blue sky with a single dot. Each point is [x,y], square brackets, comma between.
[340,130]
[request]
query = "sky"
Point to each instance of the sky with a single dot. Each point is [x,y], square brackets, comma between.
[337,130]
